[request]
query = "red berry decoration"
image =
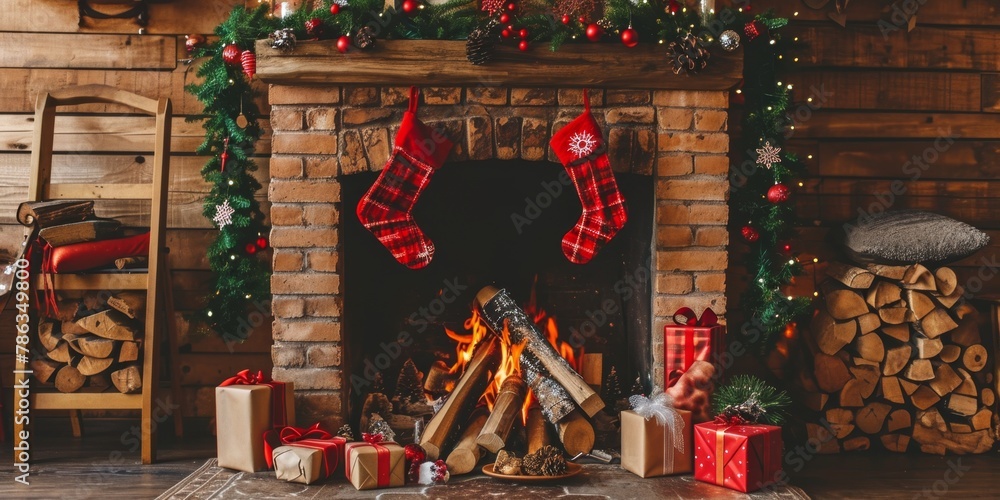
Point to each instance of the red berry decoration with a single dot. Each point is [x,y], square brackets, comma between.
[504,18]
[630,37]
[410,7]
[505,33]
[511,7]
[193,41]
[251,248]
[523,45]
[231,54]
[523,33]
[314,27]
[414,453]
[750,234]
[778,193]
[583,20]
[594,32]
[566,19]
[249,61]
[262,241]
[754,29]
[786,247]
[674,7]
[343,44]
[335,9]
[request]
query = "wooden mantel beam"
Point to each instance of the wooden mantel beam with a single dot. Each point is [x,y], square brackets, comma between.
[443,63]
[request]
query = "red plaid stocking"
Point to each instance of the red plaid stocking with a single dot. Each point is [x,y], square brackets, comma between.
[385,208]
[581,149]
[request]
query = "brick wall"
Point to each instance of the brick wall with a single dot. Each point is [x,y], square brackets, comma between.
[323,132]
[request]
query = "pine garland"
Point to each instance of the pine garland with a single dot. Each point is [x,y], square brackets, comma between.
[751,399]
[241,278]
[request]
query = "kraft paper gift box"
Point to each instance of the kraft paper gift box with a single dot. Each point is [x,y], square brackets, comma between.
[648,447]
[375,465]
[740,457]
[303,455]
[692,339]
[243,412]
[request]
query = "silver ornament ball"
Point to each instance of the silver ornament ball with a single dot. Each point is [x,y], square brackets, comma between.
[729,40]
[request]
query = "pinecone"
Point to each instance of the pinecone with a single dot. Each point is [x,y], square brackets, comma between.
[365,39]
[554,466]
[688,54]
[346,432]
[532,463]
[314,27]
[481,44]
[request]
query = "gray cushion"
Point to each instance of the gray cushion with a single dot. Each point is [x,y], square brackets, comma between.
[909,236]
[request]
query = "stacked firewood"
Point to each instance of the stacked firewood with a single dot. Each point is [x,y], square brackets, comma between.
[898,361]
[92,342]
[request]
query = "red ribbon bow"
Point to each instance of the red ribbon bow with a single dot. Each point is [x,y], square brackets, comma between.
[723,419]
[290,435]
[373,438]
[309,437]
[708,317]
[246,377]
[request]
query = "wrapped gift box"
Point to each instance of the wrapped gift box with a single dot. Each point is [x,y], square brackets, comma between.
[305,464]
[243,413]
[691,339]
[375,465]
[741,457]
[648,448]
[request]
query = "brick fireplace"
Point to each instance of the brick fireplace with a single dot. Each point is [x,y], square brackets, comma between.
[335,116]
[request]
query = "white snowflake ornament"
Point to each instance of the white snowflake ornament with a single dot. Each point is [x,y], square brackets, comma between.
[223,214]
[582,144]
[768,155]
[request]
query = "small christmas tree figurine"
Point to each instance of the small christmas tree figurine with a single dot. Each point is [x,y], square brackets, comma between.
[410,384]
[637,387]
[611,392]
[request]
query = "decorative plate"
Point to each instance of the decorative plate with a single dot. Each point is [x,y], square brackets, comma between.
[571,470]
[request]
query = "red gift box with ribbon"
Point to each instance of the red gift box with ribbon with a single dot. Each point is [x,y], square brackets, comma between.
[374,463]
[303,455]
[742,457]
[692,339]
[246,406]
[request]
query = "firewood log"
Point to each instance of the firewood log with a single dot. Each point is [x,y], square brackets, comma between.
[137,262]
[537,429]
[896,359]
[870,347]
[507,407]
[950,353]
[867,377]
[552,398]
[69,379]
[850,395]
[576,433]
[92,366]
[899,419]
[44,369]
[110,324]
[129,351]
[831,373]
[898,332]
[815,401]
[932,419]
[982,419]
[919,370]
[882,294]
[895,315]
[850,276]
[918,277]
[439,380]
[824,440]
[52,213]
[868,322]
[919,303]
[987,397]
[975,442]
[889,272]
[49,335]
[871,418]
[845,304]
[71,328]
[974,358]
[858,443]
[966,333]
[499,310]
[946,280]
[927,348]
[963,405]
[440,431]
[895,442]
[891,390]
[949,301]
[130,304]
[92,345]
[841,422]
[101,380]
[128,379]
[960,428]
[924,397]
[908,387]
[832,335]
[466,454]
[936,323]
[61,353]
[945,380]
[968,386]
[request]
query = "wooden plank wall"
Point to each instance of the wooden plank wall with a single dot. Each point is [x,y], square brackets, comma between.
[43,46]
[878,101]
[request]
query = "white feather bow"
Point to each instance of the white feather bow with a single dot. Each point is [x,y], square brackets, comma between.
[661,407]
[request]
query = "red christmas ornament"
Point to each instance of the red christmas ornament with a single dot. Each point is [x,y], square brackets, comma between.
[505,33]
[224,156]
[504,18]
[630,37]
[778,193]
[583,20]
[750,234]
[231,54]
[754,29]
[786,247]
[343,44]
[410,7]
[594,32]
[193,41]
[523,33]
[335,9]
[251,248]
[314,27]
[511,7]
[249,60]
[523,46]
[566,19]
[262,241]
[673,6]
[414,453]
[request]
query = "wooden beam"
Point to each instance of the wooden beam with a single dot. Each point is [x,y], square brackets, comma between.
[436,62]
[895,125]
[177,17]
[51,50]
[976,13]
[889,90]
[969,160]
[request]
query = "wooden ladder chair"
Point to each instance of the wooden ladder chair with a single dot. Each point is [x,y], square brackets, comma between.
[41,189]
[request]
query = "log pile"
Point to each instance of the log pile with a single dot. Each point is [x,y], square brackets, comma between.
[898,361]
[95,348]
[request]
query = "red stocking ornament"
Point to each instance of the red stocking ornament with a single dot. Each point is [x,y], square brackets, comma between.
[581,149]
[385,208]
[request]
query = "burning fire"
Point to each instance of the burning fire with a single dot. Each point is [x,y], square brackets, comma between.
[476,330]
